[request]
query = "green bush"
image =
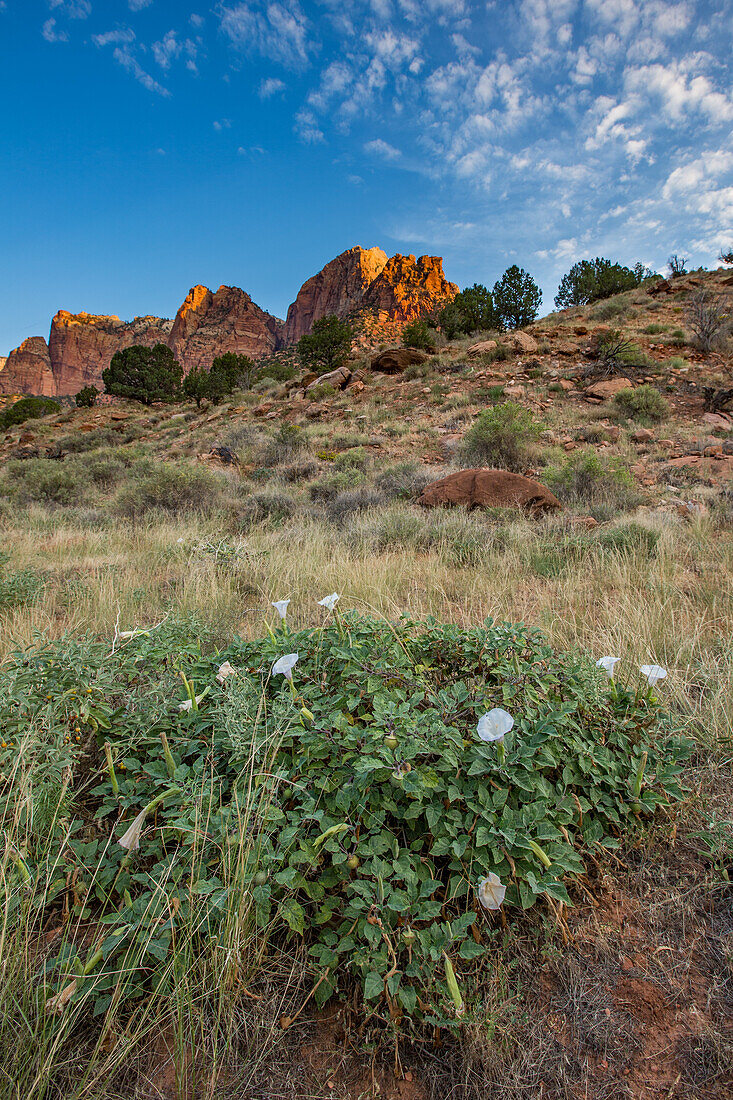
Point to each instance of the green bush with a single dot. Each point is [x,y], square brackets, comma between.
[501,437]
[19,588]
[351,819]
[629,538]
[27,408]
[590,280]
[168,487]
[144,374]
[86,398]
[418,335]
[619,307]
[644,404]
[327,346]
[586,479]
[46,481]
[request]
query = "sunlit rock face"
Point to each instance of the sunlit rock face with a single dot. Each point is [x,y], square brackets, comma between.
[339,288]
[209,324]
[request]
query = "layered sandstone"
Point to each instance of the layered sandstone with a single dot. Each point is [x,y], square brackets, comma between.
[210,324]
[339,288]
[407,288]
[28,369]
[81,346]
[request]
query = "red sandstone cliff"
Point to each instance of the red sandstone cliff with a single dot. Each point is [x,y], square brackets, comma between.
[407,288]
[209,324]
[339,288]
[81,345]
[28,369]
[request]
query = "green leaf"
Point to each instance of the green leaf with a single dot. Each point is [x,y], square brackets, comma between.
[373,985]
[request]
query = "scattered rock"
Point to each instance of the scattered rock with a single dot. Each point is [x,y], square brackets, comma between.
[395,360]
[718,420]
[480,488]
[601,391]
[482,348]
[662,287]
[520,341]
[642,435]
[338,378]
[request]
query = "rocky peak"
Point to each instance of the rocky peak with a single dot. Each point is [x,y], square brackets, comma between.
[81,345]
[28,369]
[210,324]
[338,288]
[407,288]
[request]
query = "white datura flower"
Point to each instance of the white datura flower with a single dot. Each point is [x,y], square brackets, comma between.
[494,725]
[284,666]
[491,891]
[281,606]
[131,839]
[188,704]
[608,664]
[329,602]
[653,673]
[225,671]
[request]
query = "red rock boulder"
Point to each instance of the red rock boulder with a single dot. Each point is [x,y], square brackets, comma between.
[481,488]
[395,360]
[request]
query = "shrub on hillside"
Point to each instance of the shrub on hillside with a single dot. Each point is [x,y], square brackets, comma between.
[27,408]
[167,487]
[644,404]
[86,397]
[327,346]
[45,481]
[144,374]
[288,442]
[590,280]
[516,298]
[588,480]
[709,316]
[355,816]
[501,437]
[418,334]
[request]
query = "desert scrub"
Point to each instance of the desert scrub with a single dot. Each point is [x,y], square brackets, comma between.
[19,587]
[644,404]
[502,437]
[353,808]
[44,480]
[168,487]
[586,479]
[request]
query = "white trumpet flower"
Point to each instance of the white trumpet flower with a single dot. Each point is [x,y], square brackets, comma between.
[491,891]
[284,666]
[494,725]
[608,664]
[131,839]
[225,671]
[281,606]
[653,674]
[329,602]
[188,703]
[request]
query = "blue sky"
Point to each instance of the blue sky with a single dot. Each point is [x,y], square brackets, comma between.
[148,145]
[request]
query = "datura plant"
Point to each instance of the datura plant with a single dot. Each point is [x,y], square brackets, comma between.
[390,794]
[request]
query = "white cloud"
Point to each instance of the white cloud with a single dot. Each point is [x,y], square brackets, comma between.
[223,124]
[197,21]
[679,91]
[117,37]
[49,32]
[127,60]
[270,87]
[138,5]
[74,9]
[306,128]
[278,30]
[382,149]
[170,48]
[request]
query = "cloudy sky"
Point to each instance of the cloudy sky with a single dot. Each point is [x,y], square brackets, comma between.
[148,145]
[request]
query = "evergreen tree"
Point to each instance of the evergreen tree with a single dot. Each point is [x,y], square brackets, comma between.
[516,298]
[590,280]
[327,346]
[144,374]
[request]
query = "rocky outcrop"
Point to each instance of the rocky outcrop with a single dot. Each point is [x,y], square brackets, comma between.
[209,324]
[395,360]
[28,369]
[81,346]
[407,288]
[339,288]
[490,489]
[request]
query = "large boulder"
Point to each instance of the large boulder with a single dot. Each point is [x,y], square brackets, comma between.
[338,378]
[396,359]
[481,488]
[484,347]
[520,341]
[608,387]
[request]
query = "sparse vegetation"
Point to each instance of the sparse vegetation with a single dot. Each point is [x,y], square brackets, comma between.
[502,436]
[27,408]
[709,317]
